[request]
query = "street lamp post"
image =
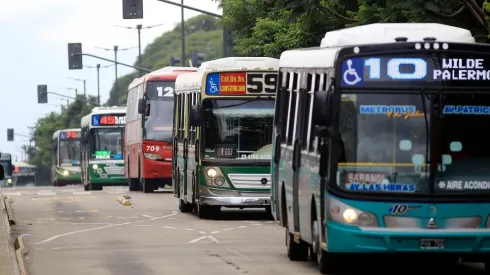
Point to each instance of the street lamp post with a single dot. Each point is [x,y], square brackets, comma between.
[98,79]
[84,85]
[139,27]
[72,89]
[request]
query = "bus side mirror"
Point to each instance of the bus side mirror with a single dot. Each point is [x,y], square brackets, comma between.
[55,145]
[141,106]
[13,169]
[2,172]
[195,119]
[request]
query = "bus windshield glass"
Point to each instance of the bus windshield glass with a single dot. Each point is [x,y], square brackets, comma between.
[69,152]
[6,168]
[463,150]
[238,128]
[106,143]
[383,143]
[158,125]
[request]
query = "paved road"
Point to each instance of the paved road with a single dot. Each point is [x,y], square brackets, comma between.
[70,231]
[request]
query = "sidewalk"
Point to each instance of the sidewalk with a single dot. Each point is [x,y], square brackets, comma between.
[7,255]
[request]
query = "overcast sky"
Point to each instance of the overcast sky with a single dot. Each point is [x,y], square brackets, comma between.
[34,51]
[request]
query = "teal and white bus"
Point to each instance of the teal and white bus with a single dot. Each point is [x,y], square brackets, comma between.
[65,155]
[102,159]
[8,169]
[378,148]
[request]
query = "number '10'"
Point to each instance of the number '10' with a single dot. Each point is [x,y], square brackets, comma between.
[393,68]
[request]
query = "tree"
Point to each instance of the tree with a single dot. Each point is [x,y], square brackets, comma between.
[267,28]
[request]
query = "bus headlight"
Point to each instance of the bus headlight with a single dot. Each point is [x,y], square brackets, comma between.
[66,173]
[343,213]
[211,173]
[219,181]
[152,156]
[95,166]
[9,181]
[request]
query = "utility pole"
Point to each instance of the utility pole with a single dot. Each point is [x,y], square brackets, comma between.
[98,78]
[182,33]
[72,89]
[116,82]
[139,27]
[84,85]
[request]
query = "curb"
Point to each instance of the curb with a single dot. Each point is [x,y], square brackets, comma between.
[124,201]
[20,251]
[10,215]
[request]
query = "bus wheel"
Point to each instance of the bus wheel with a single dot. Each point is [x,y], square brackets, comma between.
[296,251]
[325,263]
[96,187]
[133,184]
[148,185]
[207,211]
[185,207]
[86,187]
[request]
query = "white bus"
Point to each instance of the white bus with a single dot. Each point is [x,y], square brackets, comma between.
[102,161]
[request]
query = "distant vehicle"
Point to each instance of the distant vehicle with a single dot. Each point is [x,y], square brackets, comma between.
[222,135]
[65,168]
[148,130]
[102,161]
[24,174]
[8,168]
[379,146]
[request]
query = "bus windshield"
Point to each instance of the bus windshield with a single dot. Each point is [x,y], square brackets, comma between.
[463,150]
[106,143]
[69,152]
[238,128]
[6,168]
[384,143]
[158,125]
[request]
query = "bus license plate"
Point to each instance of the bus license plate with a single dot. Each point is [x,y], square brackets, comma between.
[104,176]
[432,243]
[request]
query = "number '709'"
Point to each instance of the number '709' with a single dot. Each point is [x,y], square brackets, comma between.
[152,148]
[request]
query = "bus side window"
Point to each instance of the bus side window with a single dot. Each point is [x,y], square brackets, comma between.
[307,109]
[291,108]
[320,85]
[282,103]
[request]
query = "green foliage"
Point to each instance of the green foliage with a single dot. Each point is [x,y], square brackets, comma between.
[268,27]
[203,34]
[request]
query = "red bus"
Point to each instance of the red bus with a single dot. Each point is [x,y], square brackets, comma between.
[148,129]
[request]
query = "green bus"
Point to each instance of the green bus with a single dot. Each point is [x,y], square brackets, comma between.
[102,159]
[223,118]
[65,155]
[8,168]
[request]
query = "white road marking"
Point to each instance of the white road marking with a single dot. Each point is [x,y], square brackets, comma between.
[243,226]
[68,190]
[256,224]
[82,193]
[166,216]
[228,229]
[240,254]
[142,225]
[215,232]
[189,229]
[132,217]
[86,211]
[169,227]
[116,192]
[81,231]
[46,193]
[148,216]
[81,218]
[207,236]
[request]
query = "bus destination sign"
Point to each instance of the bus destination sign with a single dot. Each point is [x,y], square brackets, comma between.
[241,83]
[414,71]
[69,135]
[108,120]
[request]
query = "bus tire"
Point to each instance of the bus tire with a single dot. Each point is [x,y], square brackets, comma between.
[325,263]
[86,187]
[487,267]
[96,187]
[185,207]
[296,251]
[148,185]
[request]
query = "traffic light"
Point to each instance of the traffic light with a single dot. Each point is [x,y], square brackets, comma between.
[132,9]
[197,59]
[42,94]
[174,60]
[75,61]
[10,134]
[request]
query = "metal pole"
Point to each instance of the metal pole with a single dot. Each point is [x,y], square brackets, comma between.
[139,46]
[84,89]
[116,83]
[98,85]
[225,42]
[182,34]
[76,93]
[67,103]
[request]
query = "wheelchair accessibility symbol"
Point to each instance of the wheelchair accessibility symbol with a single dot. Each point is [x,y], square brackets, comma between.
[352,70]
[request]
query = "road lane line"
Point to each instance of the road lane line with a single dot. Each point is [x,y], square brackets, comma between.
[198,239]
[189,229]
[166,216]
[132,217]
[46,193]
[168,227]
[243,226]
[142,225]
[81,231]
[203,232]
[12,194]
[215,232]
[82,193]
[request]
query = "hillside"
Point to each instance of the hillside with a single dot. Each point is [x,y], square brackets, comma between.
[203,34]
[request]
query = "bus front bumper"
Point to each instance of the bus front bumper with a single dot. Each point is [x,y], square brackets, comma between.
[349,239]
[257,202]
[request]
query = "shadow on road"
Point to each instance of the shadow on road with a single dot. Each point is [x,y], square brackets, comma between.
[258,214]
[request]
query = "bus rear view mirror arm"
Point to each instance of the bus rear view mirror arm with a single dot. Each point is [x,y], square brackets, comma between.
[195,116]
[141,106]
